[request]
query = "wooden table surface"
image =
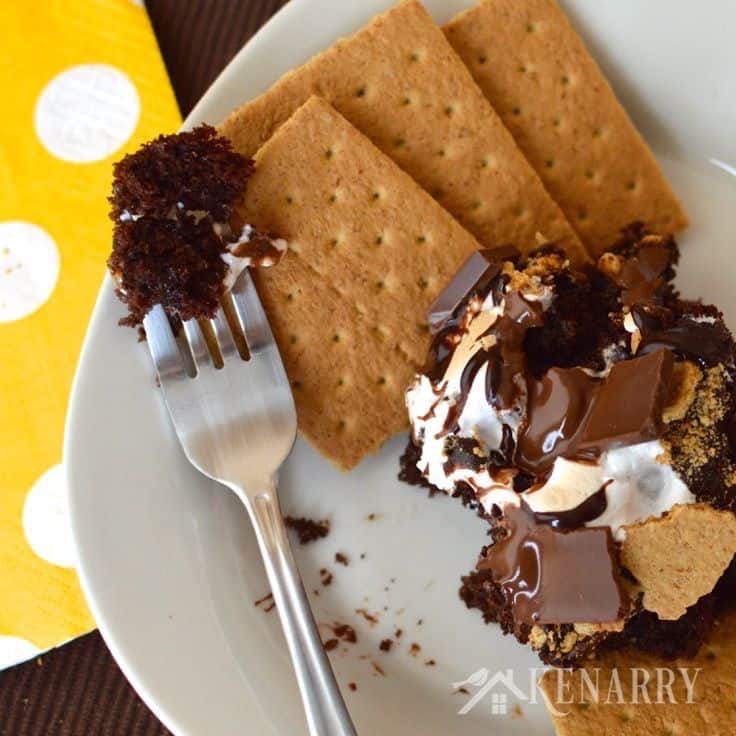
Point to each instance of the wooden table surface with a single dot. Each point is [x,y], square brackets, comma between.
[78,690]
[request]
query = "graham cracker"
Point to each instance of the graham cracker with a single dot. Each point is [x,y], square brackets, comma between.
[369,251]
[563,114]
[400,83]
[711,711]
[679,557]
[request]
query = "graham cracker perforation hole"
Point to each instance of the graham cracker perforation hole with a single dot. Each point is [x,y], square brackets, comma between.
[630,185]
[449,110]
[516,111]
[342,425]
[379,239]
[399,142]
[531,27]
[296,385]
[422,283]
[289,199]
[293,339]
[406,101]
[361,91]
[421,239]
[549,163]
[329,153]
[381,381]
[565,80]
[482,59]
[336,337]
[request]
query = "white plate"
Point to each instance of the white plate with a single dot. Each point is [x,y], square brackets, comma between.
[167,559]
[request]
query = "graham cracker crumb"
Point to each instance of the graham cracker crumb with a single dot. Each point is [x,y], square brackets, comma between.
[537,637]
[697,440]
[569,641]
[685,379]
[545,264]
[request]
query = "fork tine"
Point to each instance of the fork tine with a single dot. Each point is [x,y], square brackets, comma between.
[197,343]
[251,315]
[162,343]
[223,334]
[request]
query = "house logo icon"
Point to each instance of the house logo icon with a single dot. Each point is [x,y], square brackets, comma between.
[499,687]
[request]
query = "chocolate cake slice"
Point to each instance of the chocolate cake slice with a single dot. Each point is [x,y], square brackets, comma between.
[177,241]
[585,413]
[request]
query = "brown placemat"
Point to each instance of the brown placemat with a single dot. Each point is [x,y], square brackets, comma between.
[78,690]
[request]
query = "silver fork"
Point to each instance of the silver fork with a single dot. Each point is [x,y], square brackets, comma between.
[236,422]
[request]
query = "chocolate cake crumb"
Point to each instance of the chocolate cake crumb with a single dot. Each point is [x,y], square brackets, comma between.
[345,632]
[265,598]
[342,559]
[372,619]
[331,644]
[398,633]
[414,649]
[430,663]
[377,667]
[325,577]
[352,686]
[463,690]
[385,645]
[308,530]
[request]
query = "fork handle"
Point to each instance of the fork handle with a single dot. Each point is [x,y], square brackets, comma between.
[325,708]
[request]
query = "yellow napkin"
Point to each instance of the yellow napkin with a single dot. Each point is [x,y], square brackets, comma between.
[82,82]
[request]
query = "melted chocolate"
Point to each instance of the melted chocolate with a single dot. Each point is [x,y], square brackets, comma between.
[474,277]
[574,415]
[548,576]
[509,360]
[557,407]
[643,274]
[706,343]
[589,510]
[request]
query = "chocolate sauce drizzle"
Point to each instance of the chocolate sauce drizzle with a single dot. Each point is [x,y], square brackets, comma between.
[703,342]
